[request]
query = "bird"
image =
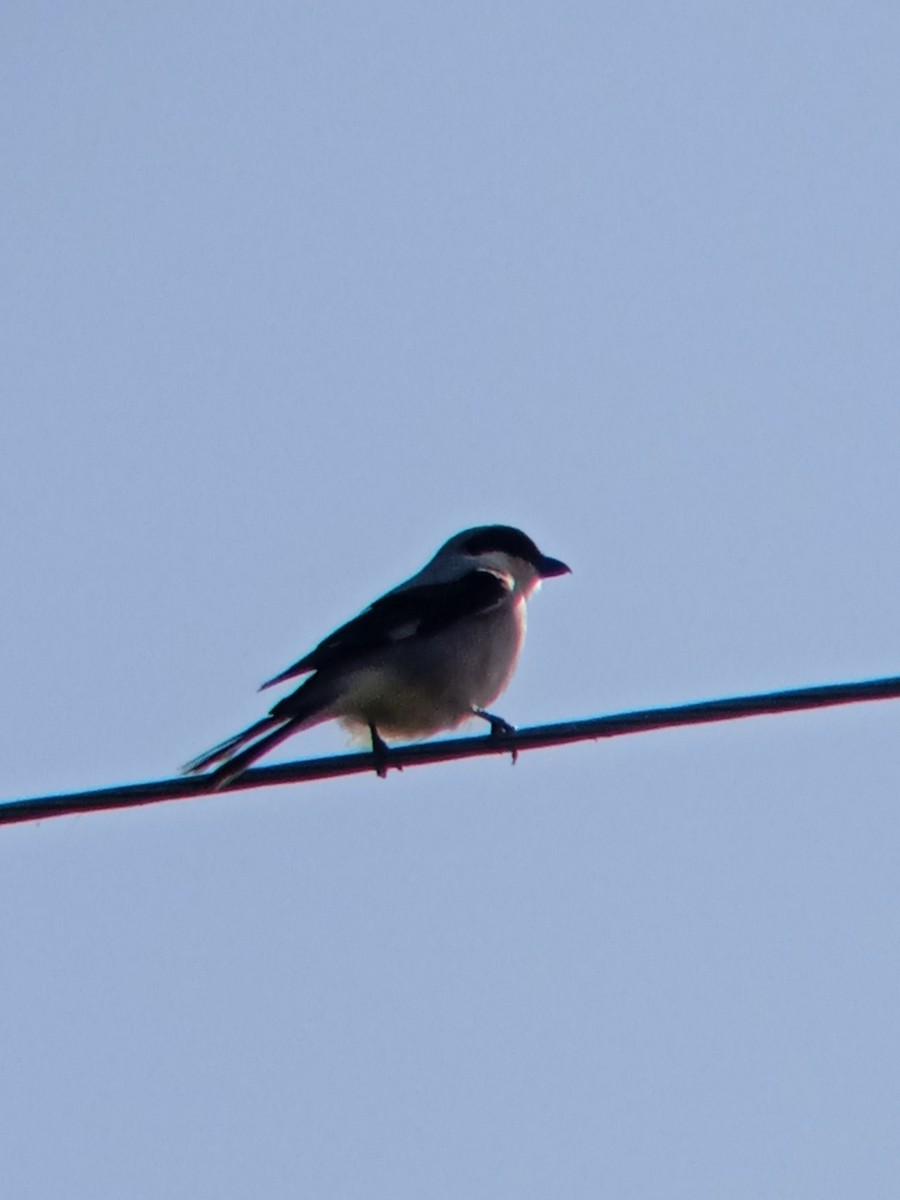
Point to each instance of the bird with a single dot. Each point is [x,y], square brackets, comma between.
[426,656]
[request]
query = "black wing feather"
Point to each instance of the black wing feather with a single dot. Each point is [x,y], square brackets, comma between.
[420,610]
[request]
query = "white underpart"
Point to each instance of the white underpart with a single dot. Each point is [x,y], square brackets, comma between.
[432,684]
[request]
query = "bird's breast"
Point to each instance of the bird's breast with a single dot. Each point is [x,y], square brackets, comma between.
[426,685]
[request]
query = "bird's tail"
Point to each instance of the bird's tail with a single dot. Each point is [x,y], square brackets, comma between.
[236,753]
[309,705]
[226,748]
[235,764]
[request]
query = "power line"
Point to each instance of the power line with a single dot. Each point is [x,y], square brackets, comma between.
[534,737]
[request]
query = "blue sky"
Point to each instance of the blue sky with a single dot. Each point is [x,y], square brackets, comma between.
[292,292]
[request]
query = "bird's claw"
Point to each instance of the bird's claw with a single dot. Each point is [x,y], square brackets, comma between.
[499,728]
[381,753]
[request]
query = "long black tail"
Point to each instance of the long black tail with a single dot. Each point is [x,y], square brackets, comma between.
[226,748]
[236,753]
[236,764]
[307,706]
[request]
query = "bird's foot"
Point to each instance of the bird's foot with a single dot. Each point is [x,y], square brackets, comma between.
[497,724]
[380,753]
[499,727]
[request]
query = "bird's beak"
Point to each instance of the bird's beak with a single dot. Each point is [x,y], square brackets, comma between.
[548,567]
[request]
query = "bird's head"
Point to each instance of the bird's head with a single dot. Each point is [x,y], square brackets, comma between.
[505,549]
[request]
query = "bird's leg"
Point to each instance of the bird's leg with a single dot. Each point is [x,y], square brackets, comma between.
[497,724]
[499,727]
[380,752]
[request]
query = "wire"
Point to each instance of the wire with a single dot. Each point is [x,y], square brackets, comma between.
[534,737]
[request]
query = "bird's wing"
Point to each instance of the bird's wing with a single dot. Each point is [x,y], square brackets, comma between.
[416,610]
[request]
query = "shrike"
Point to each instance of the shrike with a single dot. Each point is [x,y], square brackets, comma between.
[426,656]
